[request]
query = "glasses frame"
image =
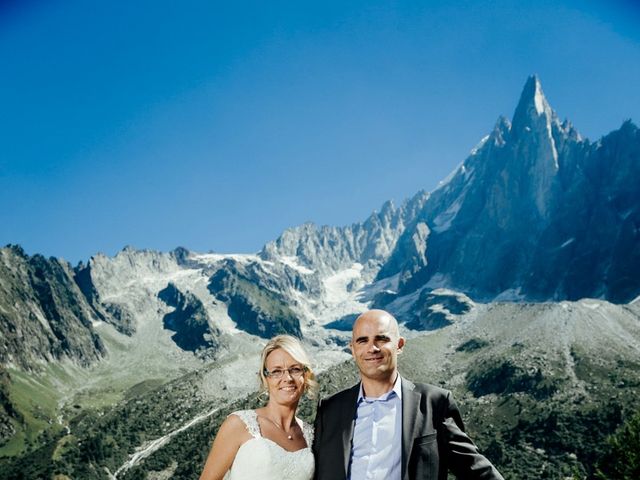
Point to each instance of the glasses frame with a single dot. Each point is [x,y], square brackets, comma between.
[282,371]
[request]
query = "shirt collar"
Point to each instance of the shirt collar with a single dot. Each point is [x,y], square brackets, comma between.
[397,389]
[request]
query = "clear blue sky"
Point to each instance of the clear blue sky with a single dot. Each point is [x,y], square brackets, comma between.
[216,125]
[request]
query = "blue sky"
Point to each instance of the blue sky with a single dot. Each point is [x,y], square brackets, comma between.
[216,125]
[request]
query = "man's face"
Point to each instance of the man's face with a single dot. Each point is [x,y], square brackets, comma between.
[375,345]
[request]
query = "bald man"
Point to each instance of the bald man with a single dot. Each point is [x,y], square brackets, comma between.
[387,428]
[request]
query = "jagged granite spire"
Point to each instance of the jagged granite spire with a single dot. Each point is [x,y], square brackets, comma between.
[532,105]
[535,212]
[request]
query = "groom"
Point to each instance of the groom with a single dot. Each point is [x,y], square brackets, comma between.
[387,428]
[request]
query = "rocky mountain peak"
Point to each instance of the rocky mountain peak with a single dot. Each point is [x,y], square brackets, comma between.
[500,131]
[532,106]
[535,212]
[328,249]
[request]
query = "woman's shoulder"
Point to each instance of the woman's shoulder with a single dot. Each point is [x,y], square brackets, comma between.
[244,414]
[245,420]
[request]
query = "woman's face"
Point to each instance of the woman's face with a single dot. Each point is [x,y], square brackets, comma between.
[289,387]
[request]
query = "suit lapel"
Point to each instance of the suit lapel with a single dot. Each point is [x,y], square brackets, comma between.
[349,420]
[411,416]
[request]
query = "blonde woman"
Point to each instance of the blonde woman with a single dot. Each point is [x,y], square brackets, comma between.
[269,443]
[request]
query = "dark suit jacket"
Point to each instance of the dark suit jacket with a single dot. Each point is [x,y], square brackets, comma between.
[433,438]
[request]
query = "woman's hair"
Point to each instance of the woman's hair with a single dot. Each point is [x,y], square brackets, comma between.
[293,347]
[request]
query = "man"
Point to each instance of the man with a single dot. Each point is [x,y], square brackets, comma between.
[387,428]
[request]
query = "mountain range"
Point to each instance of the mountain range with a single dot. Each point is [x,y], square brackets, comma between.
[533,222]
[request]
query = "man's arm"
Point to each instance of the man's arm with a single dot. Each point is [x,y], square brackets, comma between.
[464,459]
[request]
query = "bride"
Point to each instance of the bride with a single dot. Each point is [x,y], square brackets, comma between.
[269,443]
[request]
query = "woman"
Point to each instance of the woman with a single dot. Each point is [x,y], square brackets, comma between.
[269,443]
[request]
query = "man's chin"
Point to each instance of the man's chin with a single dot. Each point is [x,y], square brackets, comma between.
[379,373]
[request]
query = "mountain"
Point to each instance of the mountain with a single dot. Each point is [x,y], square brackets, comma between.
[43,314]
[142,318]
[330,249]
[535,213]
[126,365]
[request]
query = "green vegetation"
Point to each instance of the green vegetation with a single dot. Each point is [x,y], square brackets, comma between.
[537,408]
[525,436]
[104,439]
[31,407]
[622,460]
[534,423]
[502,376]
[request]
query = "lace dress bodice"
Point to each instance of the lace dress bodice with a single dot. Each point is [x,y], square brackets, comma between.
[261,458]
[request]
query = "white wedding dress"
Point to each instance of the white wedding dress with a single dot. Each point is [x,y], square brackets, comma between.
[261,458]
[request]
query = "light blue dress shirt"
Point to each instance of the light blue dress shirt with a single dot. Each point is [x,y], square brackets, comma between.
[376,449]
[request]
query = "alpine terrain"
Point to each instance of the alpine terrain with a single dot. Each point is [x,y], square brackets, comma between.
[516,282]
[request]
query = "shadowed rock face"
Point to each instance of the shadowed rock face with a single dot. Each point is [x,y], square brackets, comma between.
[534,213]
[7,409]
[189,320]
[435,309]
[43,313]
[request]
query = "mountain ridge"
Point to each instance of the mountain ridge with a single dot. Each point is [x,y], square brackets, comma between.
[535,214]
[529,186]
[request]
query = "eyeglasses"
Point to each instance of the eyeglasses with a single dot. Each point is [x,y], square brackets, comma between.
[278,373]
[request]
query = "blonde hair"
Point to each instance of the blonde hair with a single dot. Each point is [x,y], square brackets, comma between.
[293,347]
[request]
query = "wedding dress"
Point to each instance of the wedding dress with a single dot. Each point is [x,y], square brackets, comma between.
[261,458]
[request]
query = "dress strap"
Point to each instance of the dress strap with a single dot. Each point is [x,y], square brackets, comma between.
[307,432]
[250,420]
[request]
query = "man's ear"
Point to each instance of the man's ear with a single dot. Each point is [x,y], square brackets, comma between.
[400,344]
[351,348]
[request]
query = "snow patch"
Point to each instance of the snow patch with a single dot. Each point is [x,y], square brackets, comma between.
[590,305]
[510,295]
[212,258]
[293,263]
[339,299]
[336,284]
[624,215]
[568,242]
[539,100]
[480,144]
[554,150]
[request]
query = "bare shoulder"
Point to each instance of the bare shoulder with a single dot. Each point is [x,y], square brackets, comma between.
[234,427]
[231,434]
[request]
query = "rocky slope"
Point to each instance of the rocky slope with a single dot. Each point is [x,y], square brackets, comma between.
[43,314]
[541,386]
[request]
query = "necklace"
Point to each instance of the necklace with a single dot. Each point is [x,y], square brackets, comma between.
[289,436]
